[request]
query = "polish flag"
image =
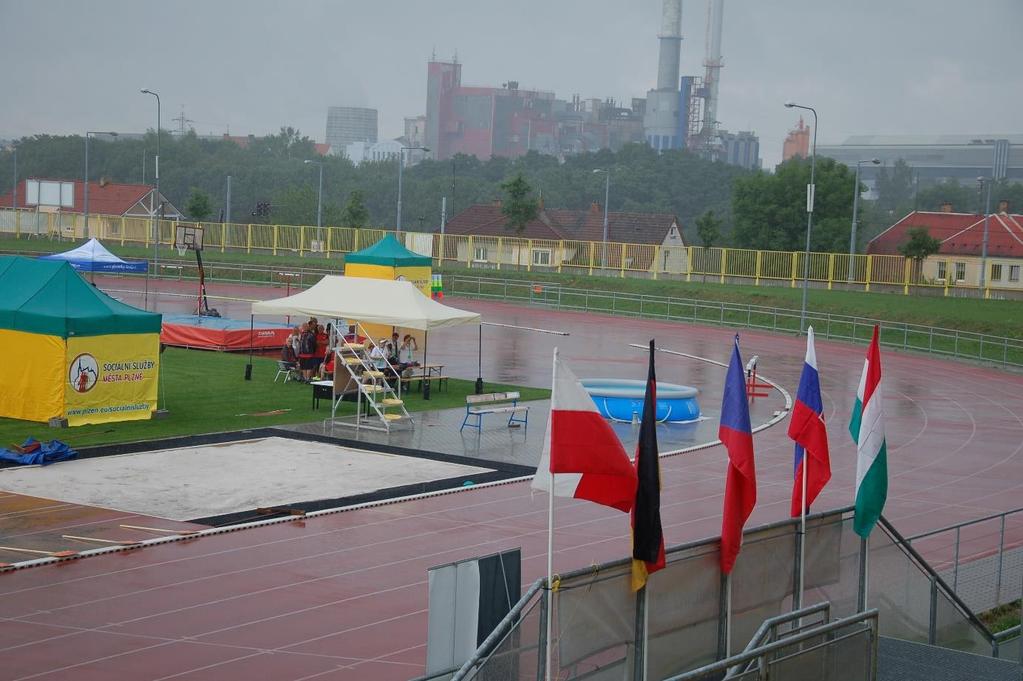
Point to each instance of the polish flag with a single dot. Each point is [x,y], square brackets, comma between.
[581,452]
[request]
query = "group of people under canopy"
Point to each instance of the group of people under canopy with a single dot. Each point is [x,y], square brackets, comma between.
[396,304]
[312,348]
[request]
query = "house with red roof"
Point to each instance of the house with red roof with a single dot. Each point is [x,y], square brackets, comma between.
[55,206]
[958,261]
[561,237]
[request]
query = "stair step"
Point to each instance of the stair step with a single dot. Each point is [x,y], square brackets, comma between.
[354,346]
[352,361]
[394,417]
[373,388]
[373,374]
[391,402]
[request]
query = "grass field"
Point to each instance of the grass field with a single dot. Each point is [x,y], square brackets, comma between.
[206,393]
[1003,617]
[996,317]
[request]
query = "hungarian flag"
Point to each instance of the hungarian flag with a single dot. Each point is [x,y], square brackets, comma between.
[741,479]
[867,429]
[807,429]
[580,449]
[647,535]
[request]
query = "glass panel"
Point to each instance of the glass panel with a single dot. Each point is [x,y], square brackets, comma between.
[683,620]
[762,581]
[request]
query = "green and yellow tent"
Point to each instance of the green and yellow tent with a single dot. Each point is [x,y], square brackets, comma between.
[71,351]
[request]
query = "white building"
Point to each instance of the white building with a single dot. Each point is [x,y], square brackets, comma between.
[386,150]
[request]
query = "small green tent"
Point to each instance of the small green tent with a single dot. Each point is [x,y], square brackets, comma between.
[388,253]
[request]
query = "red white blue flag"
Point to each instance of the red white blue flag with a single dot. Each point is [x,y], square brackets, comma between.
[741,479]
[808,430]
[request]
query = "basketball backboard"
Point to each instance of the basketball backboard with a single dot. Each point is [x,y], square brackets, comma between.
[188,238]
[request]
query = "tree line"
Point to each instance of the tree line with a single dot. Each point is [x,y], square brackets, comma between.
[717,204]
[273,169]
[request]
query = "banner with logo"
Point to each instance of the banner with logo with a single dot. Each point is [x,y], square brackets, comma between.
[111,378]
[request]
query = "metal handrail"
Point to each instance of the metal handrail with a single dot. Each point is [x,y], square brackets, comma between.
[772,622]
[957,528]
[503,628]
[867,616]
[936,580]
[966,523]
[553,294]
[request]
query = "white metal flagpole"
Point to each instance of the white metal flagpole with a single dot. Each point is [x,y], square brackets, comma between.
[550,531]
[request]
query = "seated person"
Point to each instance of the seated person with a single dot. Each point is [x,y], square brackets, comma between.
[327,368]
[393,349]
[379,356]
[288,353]
[406,354]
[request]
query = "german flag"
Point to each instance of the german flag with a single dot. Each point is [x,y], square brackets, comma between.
[647,536]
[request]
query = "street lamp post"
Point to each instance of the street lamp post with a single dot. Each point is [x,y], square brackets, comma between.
[156,195]
[809,211]
[401,164]
[856,203]
[983,244]
[607,195]
[319,203]
[14,190]
[85,187]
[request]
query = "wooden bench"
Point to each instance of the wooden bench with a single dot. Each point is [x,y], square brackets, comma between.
[494,403]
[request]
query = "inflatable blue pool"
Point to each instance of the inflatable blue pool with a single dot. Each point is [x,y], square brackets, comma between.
[621,399]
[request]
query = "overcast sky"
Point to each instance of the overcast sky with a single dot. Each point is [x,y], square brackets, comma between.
[869,66]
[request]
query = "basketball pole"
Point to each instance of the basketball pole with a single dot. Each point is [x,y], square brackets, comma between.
[248,367]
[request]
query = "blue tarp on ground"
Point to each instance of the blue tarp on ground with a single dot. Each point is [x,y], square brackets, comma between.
[92,256]
[42,455]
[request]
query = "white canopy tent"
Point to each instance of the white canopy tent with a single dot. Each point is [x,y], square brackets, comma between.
[372,301]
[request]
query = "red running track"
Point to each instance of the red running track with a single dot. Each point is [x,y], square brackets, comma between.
[343,596]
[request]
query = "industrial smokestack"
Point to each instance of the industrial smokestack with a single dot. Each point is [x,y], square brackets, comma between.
[671,45]
[712,75]
[661,123]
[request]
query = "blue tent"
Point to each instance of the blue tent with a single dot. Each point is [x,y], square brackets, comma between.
[92,256]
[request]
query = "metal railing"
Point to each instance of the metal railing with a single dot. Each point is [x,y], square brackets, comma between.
[941,589]
[892,273]
[934,340]
[816,641]
[597,628]
[983,578]
[999,350]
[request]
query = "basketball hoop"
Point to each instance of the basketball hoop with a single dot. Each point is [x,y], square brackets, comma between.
[182,250]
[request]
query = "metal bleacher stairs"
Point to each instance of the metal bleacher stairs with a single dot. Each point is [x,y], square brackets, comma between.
[375,392]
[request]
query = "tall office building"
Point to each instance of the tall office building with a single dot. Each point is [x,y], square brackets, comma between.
[348,124]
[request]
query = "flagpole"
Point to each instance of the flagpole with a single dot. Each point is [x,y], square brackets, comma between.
[802,529]
[861,597]
[550,538]
[728,616]
[646,630]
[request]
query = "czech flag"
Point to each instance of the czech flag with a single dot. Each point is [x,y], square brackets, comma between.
[647,534]
[581,450]
[741,479]
[808,430]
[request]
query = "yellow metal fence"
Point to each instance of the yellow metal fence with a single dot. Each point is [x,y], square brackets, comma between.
[691,263]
